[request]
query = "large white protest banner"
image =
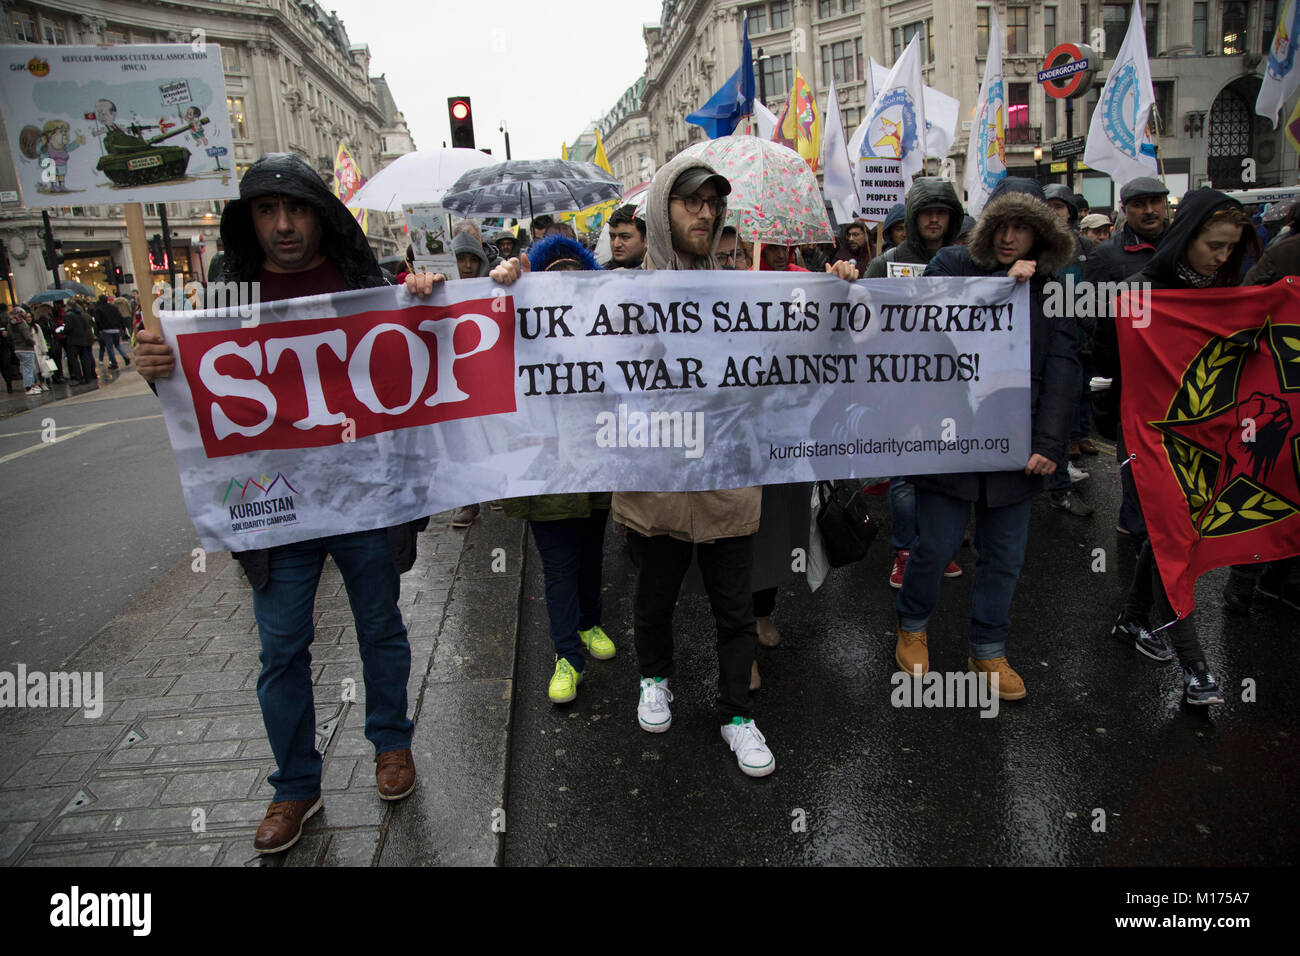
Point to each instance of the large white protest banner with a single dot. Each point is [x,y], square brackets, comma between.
[118,124]
[329,414]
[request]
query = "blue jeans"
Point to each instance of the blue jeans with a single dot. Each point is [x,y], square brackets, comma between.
[902,514]
[572,551]
[108,342]
[1000,537]
[284,612]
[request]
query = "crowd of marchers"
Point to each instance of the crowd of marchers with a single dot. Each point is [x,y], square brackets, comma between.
[287,231]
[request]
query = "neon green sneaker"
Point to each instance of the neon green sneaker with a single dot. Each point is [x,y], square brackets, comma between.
[564,683]
[597,643]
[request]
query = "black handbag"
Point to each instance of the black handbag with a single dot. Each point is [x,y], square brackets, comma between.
[846,528]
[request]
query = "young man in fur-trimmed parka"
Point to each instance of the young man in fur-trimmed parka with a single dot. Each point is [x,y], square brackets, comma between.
[1018,235]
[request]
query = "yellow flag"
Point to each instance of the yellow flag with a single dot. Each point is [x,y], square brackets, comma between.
[799,126]
[347,181]
[564,151]
[600,159]
[1293,127]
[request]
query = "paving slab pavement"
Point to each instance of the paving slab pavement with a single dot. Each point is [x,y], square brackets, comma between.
[173,771]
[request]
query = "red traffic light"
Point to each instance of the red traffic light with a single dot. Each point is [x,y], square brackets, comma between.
[460,109]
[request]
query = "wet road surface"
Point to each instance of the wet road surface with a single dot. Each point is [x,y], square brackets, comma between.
[1101,764]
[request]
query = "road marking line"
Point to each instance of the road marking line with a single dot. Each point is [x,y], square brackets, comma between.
[111,421]
[73,433]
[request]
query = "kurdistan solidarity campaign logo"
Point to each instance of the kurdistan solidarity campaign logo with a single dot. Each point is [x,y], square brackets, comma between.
[1245,386]
[993,148]
[1281,55]
[892,132]
[1120,115]
[257,512]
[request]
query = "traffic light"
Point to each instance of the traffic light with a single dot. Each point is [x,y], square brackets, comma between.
[157,254]
[51,254]
[462,122]
[117,275]
[5,267]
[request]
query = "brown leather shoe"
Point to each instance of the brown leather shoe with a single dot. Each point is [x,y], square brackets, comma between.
[1010,686]
[768,635]
[283,822]
[395,774]
[912,651]
[1088,447]
[1076,451]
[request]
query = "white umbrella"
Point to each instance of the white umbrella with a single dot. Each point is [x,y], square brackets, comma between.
[417,178]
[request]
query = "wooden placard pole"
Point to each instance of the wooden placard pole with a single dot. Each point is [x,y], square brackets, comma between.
[140,263]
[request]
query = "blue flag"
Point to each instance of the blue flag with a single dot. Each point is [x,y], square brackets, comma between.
[733,100]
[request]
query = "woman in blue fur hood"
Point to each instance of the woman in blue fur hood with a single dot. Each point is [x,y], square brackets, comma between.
[561,254]
[569,530]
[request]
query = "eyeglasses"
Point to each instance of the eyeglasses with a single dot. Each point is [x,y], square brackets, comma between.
[726,256]
[695,201]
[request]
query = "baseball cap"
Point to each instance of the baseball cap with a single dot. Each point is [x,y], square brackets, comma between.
[1142,186]
[695,177]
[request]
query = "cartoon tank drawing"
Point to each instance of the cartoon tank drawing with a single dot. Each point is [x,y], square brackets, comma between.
[135,161]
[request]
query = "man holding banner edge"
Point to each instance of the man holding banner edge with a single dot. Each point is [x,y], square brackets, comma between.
[290,234]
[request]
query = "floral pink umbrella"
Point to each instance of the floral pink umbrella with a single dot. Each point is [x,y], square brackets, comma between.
[774,195]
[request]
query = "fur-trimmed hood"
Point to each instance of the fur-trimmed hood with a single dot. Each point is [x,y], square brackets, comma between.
[552,249]
[1053,249]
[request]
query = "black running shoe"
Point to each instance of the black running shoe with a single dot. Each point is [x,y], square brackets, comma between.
[1199,685]
[1128,629]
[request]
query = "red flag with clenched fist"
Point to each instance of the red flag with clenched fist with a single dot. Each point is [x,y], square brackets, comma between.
[1211,414]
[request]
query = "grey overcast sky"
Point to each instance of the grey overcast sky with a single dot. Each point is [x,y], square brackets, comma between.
[548,68]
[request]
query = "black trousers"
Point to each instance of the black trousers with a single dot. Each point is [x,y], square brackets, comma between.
[1147,600]
[726,565]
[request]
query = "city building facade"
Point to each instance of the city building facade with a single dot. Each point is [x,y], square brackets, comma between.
[1207,62]
[294,83]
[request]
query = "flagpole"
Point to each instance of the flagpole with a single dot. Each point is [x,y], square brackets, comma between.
[1160,156]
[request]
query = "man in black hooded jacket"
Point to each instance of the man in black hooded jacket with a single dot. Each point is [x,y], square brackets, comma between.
[290,234]
[932,219]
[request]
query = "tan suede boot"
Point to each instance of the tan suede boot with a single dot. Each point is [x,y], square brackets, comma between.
[912,651]
[1010,686]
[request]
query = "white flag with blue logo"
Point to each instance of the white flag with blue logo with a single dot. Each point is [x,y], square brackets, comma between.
[1282,75]
[1119,142]
[888,149]
[986,156]
[941,113]
[895,123]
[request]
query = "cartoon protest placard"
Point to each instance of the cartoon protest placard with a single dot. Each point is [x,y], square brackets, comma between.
[426,225]
[363,409]
[117,124]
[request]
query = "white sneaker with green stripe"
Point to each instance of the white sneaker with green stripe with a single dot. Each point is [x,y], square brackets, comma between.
[749,746]
[652,711]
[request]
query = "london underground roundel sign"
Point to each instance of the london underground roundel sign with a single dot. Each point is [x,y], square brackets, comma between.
[1068,71]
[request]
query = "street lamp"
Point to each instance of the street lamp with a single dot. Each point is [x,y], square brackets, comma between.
[1038,163]
[502,129]
[762,82]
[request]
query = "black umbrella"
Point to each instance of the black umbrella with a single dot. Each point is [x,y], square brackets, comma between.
[529,187]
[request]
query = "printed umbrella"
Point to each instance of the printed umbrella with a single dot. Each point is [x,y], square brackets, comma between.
[416,178]
[774,195]
[524,188]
